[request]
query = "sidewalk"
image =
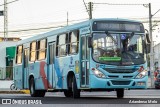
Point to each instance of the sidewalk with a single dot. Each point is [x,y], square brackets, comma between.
[149,84]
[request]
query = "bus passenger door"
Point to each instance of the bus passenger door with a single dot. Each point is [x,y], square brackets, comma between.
[51,70]
[26,69]
[84,58]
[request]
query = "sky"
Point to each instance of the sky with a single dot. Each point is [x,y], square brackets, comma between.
[33,14]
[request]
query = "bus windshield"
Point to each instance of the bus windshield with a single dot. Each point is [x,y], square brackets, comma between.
[118,48]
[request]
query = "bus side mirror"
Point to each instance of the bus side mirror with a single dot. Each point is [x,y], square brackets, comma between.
[89,42]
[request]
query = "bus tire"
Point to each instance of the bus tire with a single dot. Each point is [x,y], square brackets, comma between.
[41,93]
[75,90]
[120,93]
[68,93]
[33,92]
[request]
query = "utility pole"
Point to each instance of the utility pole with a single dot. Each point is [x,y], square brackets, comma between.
[90,9]
[151,53]
[5,20]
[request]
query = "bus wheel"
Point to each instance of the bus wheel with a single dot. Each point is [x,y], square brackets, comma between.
[75,90]
[120,93]
[33,92]
[41,93]
[68,93]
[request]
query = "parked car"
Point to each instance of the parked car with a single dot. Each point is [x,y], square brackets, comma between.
[157,81]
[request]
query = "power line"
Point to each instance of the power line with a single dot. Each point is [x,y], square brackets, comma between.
[9,2]
[33,29]
[86,7]
[23,30]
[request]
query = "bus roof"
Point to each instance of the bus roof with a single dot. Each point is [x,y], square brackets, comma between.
[69,28]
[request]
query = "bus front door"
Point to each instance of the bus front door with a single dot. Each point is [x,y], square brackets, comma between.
[51,70]
[26,69]
[84,61]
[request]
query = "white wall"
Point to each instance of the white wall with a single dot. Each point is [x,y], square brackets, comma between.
[5,84]
[157,54]
[156,35]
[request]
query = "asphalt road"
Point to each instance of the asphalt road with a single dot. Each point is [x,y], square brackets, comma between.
[88,99]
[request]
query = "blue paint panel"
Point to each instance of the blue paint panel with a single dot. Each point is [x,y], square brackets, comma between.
[39,83]
[34,68]
[18,76]
[58,73]
[62,66]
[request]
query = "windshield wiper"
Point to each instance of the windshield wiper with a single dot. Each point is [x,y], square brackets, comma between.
[108,34]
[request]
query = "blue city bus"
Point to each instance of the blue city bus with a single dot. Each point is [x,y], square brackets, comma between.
[94,55]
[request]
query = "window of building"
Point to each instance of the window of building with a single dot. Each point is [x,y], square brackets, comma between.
[19,54]
[62,45]
[41,51]
[74,41]
[33,51]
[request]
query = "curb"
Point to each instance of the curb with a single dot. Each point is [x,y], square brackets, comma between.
[25,91]
[15,92]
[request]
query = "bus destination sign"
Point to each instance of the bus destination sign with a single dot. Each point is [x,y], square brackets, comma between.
[118,26]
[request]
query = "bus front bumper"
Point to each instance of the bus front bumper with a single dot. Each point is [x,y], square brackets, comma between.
[118,83]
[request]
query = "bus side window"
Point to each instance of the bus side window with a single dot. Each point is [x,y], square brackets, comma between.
[61,45]
[33,51]
[74,41]
[41,49]
[19,54]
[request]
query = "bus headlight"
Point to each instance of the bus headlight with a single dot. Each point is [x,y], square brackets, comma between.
[98,73]
[142,74]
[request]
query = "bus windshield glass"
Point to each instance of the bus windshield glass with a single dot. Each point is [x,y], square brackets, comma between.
[118,49]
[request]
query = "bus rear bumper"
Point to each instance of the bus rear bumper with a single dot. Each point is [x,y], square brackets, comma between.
[118,83]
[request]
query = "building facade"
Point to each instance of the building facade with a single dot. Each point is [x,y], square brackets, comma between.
[7,59]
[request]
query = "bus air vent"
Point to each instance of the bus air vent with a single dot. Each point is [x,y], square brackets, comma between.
[127,76]
[120,70]
[110,76]
[120,82]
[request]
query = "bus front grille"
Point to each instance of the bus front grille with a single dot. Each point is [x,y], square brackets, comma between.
[120,82]
[120,70]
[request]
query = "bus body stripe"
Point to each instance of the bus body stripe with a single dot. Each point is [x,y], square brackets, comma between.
[43,75]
